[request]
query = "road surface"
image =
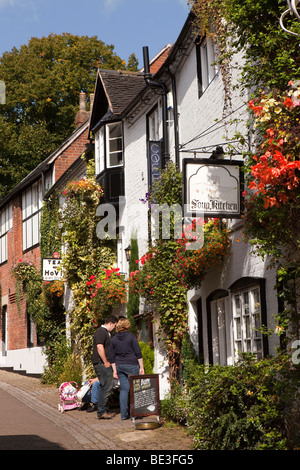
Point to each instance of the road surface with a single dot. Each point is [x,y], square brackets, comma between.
[23,428]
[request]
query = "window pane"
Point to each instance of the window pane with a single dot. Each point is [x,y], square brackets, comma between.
[247,327]
[28,233]
[246,303]
[115,130]
[257,324]
[115,145]
[35,229]
[258,348]
[238,328]
[28,203]
[256,301]
[116,159]
[237,305]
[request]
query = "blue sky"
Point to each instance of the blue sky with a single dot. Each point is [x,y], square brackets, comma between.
[127,24]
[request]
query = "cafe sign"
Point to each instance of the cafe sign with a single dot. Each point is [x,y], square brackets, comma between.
[212,188]
[154,161]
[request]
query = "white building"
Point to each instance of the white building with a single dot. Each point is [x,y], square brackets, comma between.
[179,111]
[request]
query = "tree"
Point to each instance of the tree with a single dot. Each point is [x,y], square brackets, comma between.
[43,80]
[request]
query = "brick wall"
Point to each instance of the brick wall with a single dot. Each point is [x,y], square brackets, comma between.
[70,154]
[16,316]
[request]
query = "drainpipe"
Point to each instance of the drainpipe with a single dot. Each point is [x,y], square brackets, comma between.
[156,84]
[176,131]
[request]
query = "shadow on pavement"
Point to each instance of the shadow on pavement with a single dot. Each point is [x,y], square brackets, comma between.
[27,442]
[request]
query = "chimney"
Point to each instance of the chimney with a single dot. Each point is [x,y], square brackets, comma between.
[83,115]
[92,97]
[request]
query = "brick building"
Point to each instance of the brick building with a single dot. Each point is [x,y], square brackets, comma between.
[20,214]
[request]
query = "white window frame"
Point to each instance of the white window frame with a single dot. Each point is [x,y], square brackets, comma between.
[154,128]
[207,58]
[6,223]
[247,319]
[111,142]
[221,326]
[32,202]
[99,151]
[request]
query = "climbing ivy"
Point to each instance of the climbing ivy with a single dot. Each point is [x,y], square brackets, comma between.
[169,269]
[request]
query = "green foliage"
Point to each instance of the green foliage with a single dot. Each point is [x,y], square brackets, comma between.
[23,272]
[133,303]
[58,357]
[270,55]
[168,269]
[72,370]
[86,255]
[50,235]
[148,357]
[241,407]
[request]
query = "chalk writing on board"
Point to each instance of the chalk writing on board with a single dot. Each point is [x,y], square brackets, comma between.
[144,395]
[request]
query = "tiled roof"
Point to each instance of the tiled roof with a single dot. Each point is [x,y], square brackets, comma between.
[159,59]
[121,88]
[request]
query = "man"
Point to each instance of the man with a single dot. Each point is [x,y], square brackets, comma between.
[102,366]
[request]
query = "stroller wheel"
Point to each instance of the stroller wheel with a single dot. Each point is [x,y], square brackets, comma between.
[60,408]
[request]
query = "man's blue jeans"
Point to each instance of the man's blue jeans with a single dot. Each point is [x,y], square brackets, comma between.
[124,370]
[105,376]
[93,393]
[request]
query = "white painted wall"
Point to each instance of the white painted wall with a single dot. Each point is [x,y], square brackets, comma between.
[31,360]
[197,117]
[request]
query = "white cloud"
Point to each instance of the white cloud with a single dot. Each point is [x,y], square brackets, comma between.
[111,5]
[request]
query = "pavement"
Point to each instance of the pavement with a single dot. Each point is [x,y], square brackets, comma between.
[91,433]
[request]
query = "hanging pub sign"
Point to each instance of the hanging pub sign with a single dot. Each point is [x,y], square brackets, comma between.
[154,161]
[212,188]
[51,269]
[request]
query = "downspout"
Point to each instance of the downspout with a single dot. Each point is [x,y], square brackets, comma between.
[156,84]
[176,131]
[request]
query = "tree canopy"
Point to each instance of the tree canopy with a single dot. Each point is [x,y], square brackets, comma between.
[43,80]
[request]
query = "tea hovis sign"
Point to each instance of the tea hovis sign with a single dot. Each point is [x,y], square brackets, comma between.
[52,270]
[212,188]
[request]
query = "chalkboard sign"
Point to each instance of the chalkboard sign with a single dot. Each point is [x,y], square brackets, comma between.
[144,395]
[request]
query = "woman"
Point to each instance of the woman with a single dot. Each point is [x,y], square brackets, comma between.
[126,359]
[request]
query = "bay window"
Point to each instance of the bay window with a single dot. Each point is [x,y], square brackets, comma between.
[114,142]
